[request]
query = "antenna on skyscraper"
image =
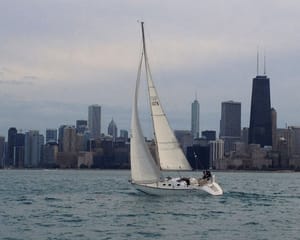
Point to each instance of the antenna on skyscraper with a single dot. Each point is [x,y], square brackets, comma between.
[265,67]
[257,61]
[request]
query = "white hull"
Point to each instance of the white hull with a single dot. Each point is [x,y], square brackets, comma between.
[176,187]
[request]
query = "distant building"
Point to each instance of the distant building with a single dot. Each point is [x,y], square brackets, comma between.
[250,156]
[51,135]
[67,160]
[274,128]
[33,148]
[195,116]
[210,135]
[244,135]
[124,134]
[283,149]
[293,144]
[19,150]
[185,139]
[260,130]
[11,143]
[295,140]
[69,139]
[112,130]
[81,143]
[61,137]
[94,121]
[198,154]
[216,154]
[2,151]
[50,155]
[81,126]
[85,160]
[230,124]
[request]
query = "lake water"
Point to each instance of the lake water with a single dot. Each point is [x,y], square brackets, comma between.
[90,204]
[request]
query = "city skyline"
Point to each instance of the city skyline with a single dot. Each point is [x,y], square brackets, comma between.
[51,70]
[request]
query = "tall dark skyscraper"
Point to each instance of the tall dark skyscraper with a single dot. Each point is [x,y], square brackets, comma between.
[11,142]
[2,151]
[260,130]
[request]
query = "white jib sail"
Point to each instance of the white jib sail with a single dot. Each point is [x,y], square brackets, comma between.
[143,167]
[171,156]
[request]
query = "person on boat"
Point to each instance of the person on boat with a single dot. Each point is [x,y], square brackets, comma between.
[206,175]
[186,180]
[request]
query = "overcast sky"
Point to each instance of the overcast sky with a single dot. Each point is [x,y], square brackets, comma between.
[57,57]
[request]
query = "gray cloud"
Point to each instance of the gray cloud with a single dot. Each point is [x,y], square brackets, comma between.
[84,52]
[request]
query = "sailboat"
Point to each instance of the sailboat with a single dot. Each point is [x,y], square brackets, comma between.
[146,173]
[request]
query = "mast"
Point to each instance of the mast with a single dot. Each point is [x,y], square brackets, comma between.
[144,42]
[148,75]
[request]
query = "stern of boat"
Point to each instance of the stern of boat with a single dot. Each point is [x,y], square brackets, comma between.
[212,187]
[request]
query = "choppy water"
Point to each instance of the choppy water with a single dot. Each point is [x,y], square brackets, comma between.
[70,204]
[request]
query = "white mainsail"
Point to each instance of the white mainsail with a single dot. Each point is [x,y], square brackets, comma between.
[170,154]
[143,167]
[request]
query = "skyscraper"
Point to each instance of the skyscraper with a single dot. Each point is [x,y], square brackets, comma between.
[94,121]
[19,150]
[69,139]
[33,148]
[230,124]
[216,153]
[260,130]
[11,142]
[61,137]
[112,129]
[274,128]
[2,151]
[195,119]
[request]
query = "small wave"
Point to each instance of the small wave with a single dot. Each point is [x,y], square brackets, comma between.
[246,195]
[76,220]
[150,234]
[52,199]
[90,199]
[44,224]
[184,214]
[25,200]
[10,238]
[250,223]
[97,192]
